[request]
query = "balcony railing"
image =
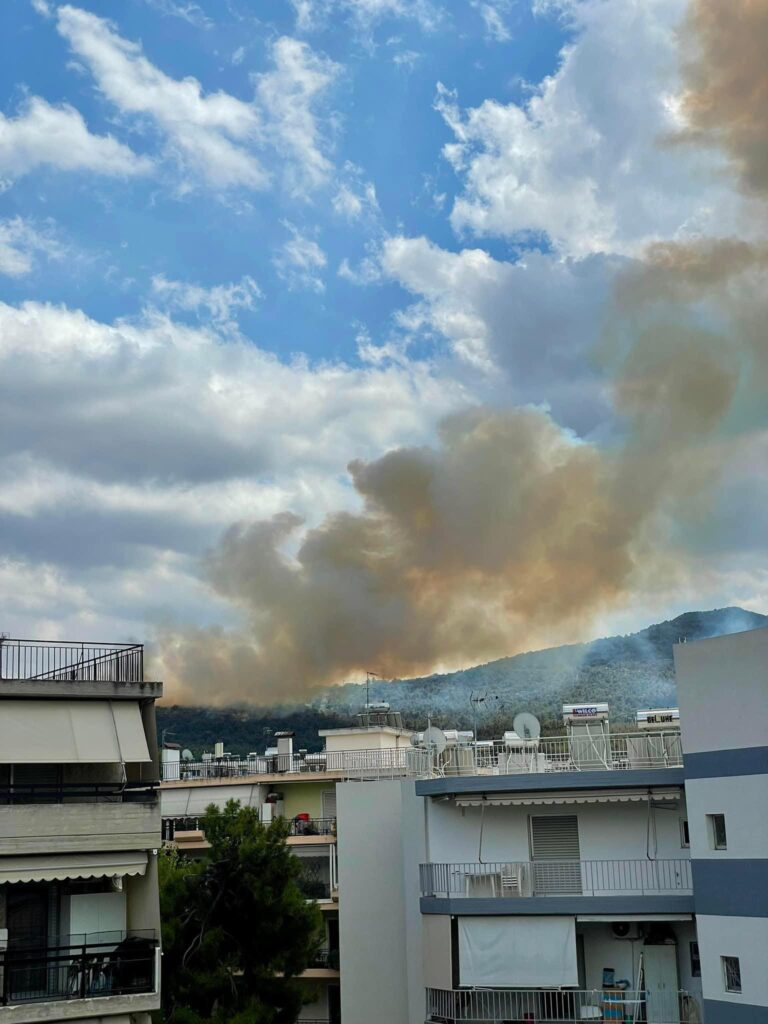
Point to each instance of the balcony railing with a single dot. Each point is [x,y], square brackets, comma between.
[326,958]
[347,764]
[53,659]
[617,751]
[508,1006]
[79,792]
[313,827]
[120,964]
[557,878]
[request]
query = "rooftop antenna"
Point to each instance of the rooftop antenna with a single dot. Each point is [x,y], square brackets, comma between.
[368,677]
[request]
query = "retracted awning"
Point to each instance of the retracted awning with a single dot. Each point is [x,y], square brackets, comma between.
[55,867]
[622,796]
[71,732]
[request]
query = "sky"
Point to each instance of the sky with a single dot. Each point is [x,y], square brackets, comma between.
[327,327]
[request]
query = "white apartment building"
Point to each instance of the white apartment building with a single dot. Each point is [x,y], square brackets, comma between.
[79,834]
[526,880]
[723,691]
[300,787]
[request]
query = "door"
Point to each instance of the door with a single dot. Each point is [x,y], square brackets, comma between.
[661,984]
[329,803]
[555,854]
[334,1004]
[27,920]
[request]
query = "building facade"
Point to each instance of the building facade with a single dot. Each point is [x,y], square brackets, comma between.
[723,692]
[79,834]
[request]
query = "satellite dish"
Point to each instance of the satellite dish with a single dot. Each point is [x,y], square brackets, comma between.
[187,755]
[527,726]
[434,738]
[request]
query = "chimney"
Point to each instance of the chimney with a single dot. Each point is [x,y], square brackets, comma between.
[284,743]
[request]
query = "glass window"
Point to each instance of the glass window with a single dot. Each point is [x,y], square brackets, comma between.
[685,838]
[731,973]
[695,960]
[717,831]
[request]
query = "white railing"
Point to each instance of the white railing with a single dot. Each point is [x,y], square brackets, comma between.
[617,751]
[386,763]
[558,878]
[567,1006]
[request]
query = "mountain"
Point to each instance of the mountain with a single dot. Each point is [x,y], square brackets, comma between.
[629,672]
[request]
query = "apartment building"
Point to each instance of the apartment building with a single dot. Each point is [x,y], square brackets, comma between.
[300,787]
[79,834]
[528,879]
[723,692]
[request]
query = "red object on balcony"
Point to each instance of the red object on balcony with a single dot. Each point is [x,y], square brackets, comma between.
[303,816]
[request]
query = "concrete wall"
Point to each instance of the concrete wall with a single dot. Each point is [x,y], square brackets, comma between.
[745,937]
[64,828]
[381,841]
[437,955]
[744,802]
[606,831]
[369,739]
[303,797]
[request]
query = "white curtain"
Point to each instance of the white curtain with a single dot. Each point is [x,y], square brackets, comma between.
[518,952]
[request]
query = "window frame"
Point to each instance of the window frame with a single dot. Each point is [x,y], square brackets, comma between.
[727,963]
[695,958]
[715,842]
[685,834]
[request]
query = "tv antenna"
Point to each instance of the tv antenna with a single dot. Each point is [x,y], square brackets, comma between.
[476,699]
[368,677]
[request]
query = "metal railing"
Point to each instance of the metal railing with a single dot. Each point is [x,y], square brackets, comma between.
[78,792]
[170,826]
[617,751]
[313,827]
[54,659]
[389,763]
[326,958]
[557,878]
[119,963]
[570,1006]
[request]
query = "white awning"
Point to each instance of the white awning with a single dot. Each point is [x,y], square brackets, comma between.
[54,867]
[518,952]
[71,732]
[621,796]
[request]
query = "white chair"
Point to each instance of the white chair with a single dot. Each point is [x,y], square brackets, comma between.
[510,880]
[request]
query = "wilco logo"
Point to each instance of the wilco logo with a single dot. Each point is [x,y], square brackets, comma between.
[584,711]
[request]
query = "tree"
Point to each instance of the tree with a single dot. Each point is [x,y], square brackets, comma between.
[237,931]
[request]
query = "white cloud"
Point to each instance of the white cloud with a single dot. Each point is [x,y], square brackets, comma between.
[288,96]
[238,56]
[494,14]
[21,242]
[41,7]
[219,302]
[354,200]
[210,133]
[192,13]
[42,135]
[583,162]
[366,14]
[300,261]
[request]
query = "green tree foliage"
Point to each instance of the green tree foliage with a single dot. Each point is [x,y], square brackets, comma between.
[236,929]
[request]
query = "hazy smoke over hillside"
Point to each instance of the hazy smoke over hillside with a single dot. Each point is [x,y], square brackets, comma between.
[510,533]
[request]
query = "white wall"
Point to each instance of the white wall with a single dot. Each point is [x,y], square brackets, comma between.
[436,936]
[744,937]
[379,848]
[744,802]
[606,831]
[722,687]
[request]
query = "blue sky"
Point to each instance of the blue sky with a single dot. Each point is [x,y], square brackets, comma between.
[319,339]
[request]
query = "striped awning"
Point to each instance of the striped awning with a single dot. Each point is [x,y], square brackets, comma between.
[56,867]
[621,796]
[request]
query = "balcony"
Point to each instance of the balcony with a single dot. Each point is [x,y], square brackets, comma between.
[527,879]
[58,660]
[120,964]
[509,1006]
[96,824]
[387,763]
[312,827]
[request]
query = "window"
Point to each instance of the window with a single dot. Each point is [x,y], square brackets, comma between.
[717,835]
[731,973]
[685,838]
[695,960]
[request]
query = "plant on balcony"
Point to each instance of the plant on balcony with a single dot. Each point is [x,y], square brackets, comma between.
[237,930]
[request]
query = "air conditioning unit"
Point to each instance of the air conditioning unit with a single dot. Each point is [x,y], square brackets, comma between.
[625,930]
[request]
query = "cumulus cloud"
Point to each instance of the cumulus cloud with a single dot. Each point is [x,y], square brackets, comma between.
[42,135]
[208,132]
[21,243]
[300,261]
[219,303]
[580,163]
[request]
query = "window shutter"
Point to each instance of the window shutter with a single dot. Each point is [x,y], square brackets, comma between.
[555,837]
[329,803]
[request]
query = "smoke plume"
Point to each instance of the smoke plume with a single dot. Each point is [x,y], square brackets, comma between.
[510,532]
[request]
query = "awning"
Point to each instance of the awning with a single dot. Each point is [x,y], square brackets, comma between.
[55,867]
[520,952]
[621,796]
[71,732]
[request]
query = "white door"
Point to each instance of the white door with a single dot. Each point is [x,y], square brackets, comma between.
[555,854]
[661,984]
[329,803]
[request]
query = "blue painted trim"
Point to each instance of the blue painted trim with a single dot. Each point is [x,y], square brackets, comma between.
[724,764]
[541,905]
[727,887]
[718,1011]
[631,778]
